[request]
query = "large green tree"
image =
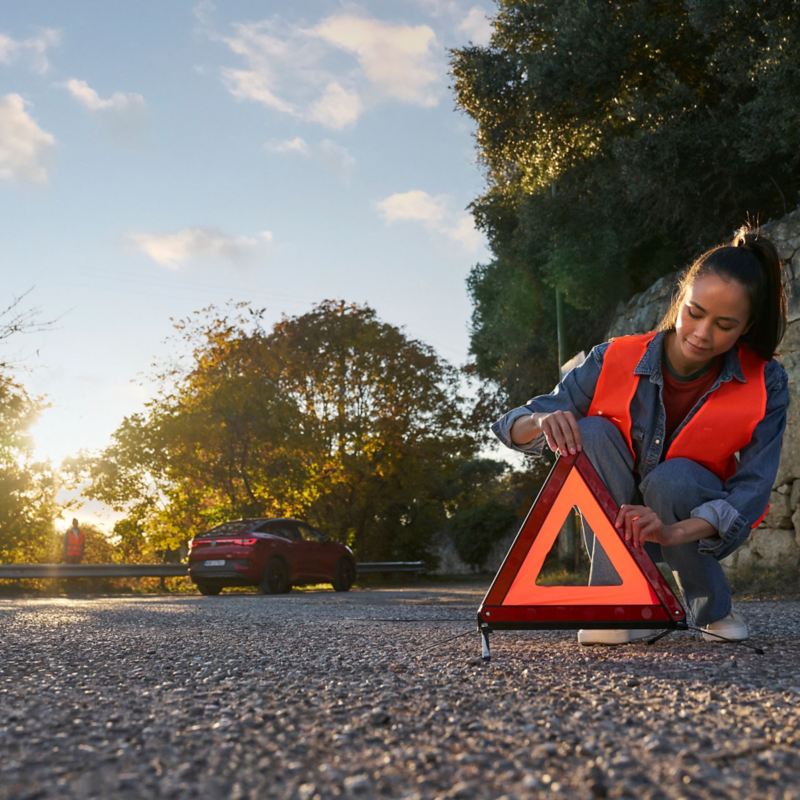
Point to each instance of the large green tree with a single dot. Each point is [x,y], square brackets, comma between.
[618,139]
[333,415]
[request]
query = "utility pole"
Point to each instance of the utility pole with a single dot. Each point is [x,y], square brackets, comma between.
[560,332]
[569,533]
[559,314]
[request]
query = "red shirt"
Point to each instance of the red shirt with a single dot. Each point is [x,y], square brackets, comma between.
[681,394]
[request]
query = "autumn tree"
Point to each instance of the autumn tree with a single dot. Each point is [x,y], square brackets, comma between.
[333,415]
[618,139]
[195,456]
[27,488]
[383,418]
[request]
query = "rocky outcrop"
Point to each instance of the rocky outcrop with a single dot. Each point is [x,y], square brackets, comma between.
[776,542]
[643,311]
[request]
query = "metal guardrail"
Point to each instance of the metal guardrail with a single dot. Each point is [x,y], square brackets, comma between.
[91,570]
[365,567]
[19,571]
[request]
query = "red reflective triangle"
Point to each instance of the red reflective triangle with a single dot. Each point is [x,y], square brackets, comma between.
[642,599]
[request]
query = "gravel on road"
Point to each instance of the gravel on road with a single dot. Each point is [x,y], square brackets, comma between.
[368,694]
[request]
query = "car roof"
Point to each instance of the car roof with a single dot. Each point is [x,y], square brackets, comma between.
[249,522]
[265,519]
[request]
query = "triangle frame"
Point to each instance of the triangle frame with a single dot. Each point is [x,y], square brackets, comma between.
[514,600]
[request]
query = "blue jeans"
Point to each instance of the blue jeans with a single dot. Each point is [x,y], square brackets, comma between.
[672,490]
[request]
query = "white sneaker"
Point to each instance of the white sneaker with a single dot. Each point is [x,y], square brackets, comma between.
[732,627]
[614,635]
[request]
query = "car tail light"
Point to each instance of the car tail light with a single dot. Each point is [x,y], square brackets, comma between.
[248,542]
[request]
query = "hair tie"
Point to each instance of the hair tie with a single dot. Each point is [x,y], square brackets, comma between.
[746,238]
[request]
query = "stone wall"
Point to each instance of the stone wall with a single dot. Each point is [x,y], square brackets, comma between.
[776,542]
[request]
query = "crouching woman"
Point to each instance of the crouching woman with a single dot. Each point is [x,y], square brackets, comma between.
[684,426]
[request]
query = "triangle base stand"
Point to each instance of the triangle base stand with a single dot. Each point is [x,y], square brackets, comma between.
[486,652]
[515,601]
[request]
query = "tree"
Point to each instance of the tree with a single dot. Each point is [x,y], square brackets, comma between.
[196,455]
[481,513]
[382,414]
[27,488]
[334,416]
[489,502]
[15,319]
[618,139]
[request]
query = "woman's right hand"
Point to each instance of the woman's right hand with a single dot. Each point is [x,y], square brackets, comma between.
[561,431]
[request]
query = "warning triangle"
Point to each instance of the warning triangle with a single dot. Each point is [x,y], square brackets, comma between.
[642,599]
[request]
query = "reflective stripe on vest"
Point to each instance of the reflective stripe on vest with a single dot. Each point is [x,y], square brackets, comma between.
[722,426]
[74,543]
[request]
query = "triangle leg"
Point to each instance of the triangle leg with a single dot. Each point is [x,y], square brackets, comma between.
[485,651]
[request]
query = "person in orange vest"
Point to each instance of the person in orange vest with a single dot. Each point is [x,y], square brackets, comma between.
[684,424]
[74,541]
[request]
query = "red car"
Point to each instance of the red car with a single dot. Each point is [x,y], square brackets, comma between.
[273,554]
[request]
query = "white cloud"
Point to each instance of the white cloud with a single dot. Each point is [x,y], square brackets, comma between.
[416,206]
[172,250]
[434,213]
[24,146]
[280,61]
[88,97]
[401,60]
[464,232]
[250,84]
[477,26]
[35,48]
[336,108]
[329,73]
[297,145]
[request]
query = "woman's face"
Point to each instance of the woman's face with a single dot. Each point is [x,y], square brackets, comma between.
[713,314]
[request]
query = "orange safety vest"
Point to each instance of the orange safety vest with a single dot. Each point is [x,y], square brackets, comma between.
[721,427]
[75,541]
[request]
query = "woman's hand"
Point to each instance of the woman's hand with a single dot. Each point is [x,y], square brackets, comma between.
[561,432]
[640,524]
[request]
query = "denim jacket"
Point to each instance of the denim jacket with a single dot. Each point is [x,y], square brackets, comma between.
[748,490]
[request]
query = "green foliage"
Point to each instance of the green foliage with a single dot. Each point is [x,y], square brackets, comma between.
[27,488]
[333,416]
[131,545]
[618,140]
[489,502]
[477,528]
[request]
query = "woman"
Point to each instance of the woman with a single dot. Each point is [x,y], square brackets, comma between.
[684,425]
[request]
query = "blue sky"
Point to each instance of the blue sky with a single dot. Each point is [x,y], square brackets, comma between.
[157,157]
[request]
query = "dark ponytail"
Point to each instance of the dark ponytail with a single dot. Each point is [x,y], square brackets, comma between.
[752,260]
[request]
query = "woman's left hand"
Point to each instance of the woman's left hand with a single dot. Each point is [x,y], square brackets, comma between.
[640,524]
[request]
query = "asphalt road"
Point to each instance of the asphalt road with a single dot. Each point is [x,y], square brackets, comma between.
[367,694]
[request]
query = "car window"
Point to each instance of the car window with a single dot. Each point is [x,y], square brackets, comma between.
[226,528]
[310,534]
[285,529]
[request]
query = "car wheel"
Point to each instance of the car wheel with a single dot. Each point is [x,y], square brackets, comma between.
[345,575]
[276,577]
[208,588]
